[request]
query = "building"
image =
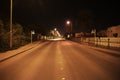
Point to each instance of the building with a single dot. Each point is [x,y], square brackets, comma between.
[113,31]
[102,33]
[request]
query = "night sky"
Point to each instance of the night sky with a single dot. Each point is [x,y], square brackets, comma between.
[55,12]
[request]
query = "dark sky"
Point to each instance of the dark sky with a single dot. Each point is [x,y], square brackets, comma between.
[56,12]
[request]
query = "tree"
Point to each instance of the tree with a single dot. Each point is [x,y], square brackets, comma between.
[19,37]
[102,33]
[1,27]
[4,38]
[85,20]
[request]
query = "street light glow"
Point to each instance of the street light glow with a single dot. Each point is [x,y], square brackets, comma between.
[68,22]
[55,29]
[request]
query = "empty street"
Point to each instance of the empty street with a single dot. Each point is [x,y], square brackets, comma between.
[62,60]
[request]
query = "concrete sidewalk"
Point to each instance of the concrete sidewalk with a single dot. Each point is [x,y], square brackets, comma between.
[8,54]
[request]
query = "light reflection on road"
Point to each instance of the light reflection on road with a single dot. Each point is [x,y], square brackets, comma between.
[62,73]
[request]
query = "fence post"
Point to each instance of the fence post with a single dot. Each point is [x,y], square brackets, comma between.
[108,42]
[96,41]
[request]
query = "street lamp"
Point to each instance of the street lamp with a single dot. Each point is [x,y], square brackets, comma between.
[32,32]
[69,23]
[11,23]
[55,29]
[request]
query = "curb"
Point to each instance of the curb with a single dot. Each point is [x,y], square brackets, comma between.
[4,58]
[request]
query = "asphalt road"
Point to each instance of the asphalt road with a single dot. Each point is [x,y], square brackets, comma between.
[62,60]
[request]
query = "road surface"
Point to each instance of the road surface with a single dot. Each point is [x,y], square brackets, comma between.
[62,60]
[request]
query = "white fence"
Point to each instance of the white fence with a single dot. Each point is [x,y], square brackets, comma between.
[104,41]
[100,41]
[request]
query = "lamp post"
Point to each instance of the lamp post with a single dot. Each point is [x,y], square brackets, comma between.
[11,23]
[69,23]
[32,32]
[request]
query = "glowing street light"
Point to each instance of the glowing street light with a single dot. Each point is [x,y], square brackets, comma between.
[69,23]
[55,29]
[69,29]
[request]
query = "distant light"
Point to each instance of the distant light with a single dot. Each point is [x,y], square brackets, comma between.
[68,22]
[32,32]
[57,39]
[58,33]
[55,29]
[68,36]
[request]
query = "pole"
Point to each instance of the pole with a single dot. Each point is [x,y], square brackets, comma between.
[95,35]
[31,36]
[10,23]
[71,27]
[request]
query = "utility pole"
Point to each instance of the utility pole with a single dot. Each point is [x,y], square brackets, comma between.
[10,23]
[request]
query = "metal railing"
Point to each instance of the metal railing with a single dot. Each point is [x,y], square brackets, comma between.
[104,41]
[100,41]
